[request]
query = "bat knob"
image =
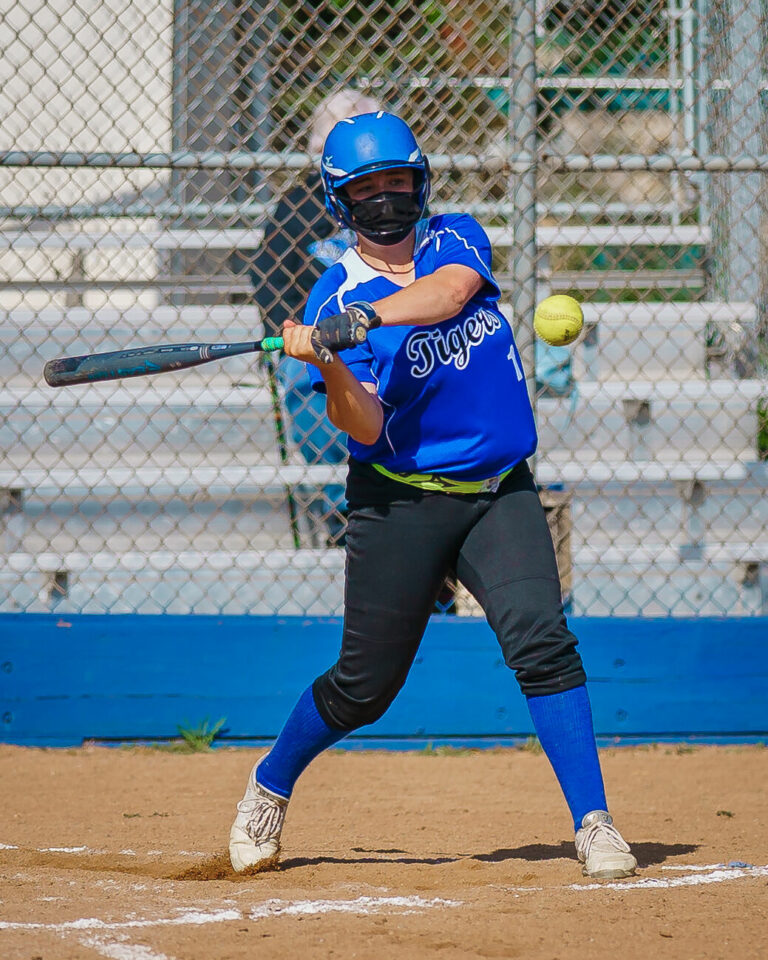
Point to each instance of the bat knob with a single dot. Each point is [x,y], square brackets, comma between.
[58,372]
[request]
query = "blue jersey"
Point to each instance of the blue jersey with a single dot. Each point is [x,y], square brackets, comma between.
[453,393]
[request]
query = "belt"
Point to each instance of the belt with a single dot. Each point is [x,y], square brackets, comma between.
[434,482]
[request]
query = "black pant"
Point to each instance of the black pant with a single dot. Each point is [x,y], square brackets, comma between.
[401,543]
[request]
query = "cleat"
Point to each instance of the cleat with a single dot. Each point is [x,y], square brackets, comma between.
[602,849]
[254,840]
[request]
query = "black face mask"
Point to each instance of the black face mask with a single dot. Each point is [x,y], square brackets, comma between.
[386,218]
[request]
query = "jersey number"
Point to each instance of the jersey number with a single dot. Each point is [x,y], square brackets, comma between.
[512,355]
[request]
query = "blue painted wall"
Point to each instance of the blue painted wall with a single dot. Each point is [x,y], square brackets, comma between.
[68,678]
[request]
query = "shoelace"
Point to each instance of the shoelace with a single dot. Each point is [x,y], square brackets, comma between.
[265,817]
[607,832]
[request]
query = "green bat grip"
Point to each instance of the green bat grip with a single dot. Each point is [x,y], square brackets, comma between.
[272,343]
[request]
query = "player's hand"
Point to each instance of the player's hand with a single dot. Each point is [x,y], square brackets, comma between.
[297,342]
[343,330]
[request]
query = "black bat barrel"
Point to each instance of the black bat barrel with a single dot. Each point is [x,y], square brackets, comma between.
[139,362]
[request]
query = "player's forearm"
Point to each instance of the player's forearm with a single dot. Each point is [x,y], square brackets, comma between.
[430,299]
[349,405]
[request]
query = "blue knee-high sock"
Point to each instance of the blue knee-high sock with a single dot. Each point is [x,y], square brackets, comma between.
[303,737]
[563,722]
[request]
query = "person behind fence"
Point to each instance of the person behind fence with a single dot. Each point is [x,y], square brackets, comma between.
[300,240]
[435,406]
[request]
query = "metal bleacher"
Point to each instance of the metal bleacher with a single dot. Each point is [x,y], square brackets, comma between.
[133,185]
[643,436]
[668,493]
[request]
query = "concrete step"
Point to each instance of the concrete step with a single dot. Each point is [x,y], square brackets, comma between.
[66,238]
[650,341]
[648,420]
[641,556]
[141,419]
[610,520]
[257,582]
[310,581]
[158,482]
[178,478]
[60,525]
[32,337]
[136,422]
[690,589]
[587,470]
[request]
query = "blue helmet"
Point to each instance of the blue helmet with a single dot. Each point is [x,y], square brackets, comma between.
[364,144]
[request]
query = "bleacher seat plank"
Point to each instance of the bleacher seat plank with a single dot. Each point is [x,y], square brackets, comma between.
[178,239]
[307,559]
[575,472]
[667,313]
[721,391]
[238,480]
[618,235]
[670,313]
[164,315]
[639,555]
[116,396]
[310,560]
[119,395]
[163,482]
[624,235]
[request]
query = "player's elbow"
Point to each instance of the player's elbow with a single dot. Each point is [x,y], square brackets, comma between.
[362,423]
[458,288]
[456,298]
[368,431]
[368,439]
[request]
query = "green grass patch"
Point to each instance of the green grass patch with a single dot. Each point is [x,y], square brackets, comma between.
[199,739]
[446,750]
[762,428]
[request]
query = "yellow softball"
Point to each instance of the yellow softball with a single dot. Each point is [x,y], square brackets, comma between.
[558,320]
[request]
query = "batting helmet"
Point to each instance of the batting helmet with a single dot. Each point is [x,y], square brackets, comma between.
[365,144]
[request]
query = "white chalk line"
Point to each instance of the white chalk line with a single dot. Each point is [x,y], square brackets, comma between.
[270,908]
[184,918]
[101,852]
[117,947]
[698,875]
[63,850]
[692,880]
[120,950]
[705,866]
[277,908]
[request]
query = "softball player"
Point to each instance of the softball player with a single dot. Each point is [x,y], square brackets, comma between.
[439,423]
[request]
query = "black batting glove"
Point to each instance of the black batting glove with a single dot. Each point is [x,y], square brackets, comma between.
[343,330]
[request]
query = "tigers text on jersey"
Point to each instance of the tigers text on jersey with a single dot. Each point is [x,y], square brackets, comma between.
[453,393]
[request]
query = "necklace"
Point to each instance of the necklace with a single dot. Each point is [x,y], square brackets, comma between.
[390,268]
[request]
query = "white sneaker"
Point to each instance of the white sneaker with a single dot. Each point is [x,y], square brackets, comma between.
[602,849]
[254,840]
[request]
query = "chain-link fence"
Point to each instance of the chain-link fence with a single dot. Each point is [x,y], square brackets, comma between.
[158,184]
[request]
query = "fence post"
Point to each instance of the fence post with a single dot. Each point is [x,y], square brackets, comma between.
[736,126]
[221,101]
[522,147]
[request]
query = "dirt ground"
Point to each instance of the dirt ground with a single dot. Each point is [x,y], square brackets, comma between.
[120,853]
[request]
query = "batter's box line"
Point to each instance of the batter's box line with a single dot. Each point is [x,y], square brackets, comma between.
[117,947]
[270,908]
[101,851]
[710,873]
[706,866]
